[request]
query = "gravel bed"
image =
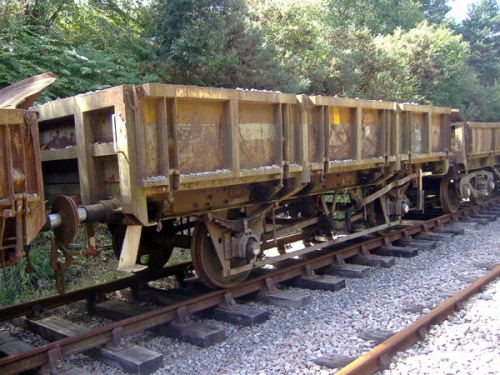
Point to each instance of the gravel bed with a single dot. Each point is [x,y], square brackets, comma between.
[389,299]
[289,342]
[466,343]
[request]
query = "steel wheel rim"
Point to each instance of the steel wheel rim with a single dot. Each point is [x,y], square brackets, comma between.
[207,264]
[450,199]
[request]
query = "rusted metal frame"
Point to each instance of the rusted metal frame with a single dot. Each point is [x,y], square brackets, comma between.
[446,133]
[136,93]
[283,231]
[18,208]
[20,230]
[33,123]
[232,144]
[91,189]
[288,157]
[278,139]
[175,144]
[355,249]
[388,188]
[319,120]
[274,234]
[306,250]
[420,190]
[494,142]
[241,224]
[24,208]
[357,133]
[282,241]
[427,136]
[409,139]
[162,122]
[384,122]
[466,181]
[23,141]
[468,139]
[303,140]
[10,171]
[396,140]
[24,93]
[378,358]
[326,143]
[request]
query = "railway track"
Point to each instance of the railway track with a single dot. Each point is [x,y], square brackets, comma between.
[379,358]
[51,355]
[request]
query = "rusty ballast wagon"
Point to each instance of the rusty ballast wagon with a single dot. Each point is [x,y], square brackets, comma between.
[22,207]
[251,167]
[475,161]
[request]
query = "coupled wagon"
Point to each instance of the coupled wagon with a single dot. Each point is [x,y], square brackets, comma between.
[22,207]
[475,161]
[233,173]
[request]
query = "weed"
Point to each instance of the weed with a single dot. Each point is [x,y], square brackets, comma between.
[17,286]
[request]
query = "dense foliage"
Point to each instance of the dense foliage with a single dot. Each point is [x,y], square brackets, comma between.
[382,49]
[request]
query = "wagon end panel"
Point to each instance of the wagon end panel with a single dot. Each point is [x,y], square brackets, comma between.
[22,213]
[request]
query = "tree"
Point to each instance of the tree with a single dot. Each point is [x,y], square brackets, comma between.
[214,43]
[361,67]
[193,37]
[435,10]
[436,60]
[378,16]
[299,31]
[89,45]
[481,29]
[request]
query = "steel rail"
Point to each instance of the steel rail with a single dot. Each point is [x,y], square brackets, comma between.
[379,358]
[265,283]
[34,307]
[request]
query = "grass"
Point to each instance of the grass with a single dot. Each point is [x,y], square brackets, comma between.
[17,286]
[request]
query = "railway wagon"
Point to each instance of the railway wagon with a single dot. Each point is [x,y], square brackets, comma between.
[475,161]
[234,173]
[22,206]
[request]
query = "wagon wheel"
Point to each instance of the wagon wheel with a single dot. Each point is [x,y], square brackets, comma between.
[206,262]
[150,253]
[449,196]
